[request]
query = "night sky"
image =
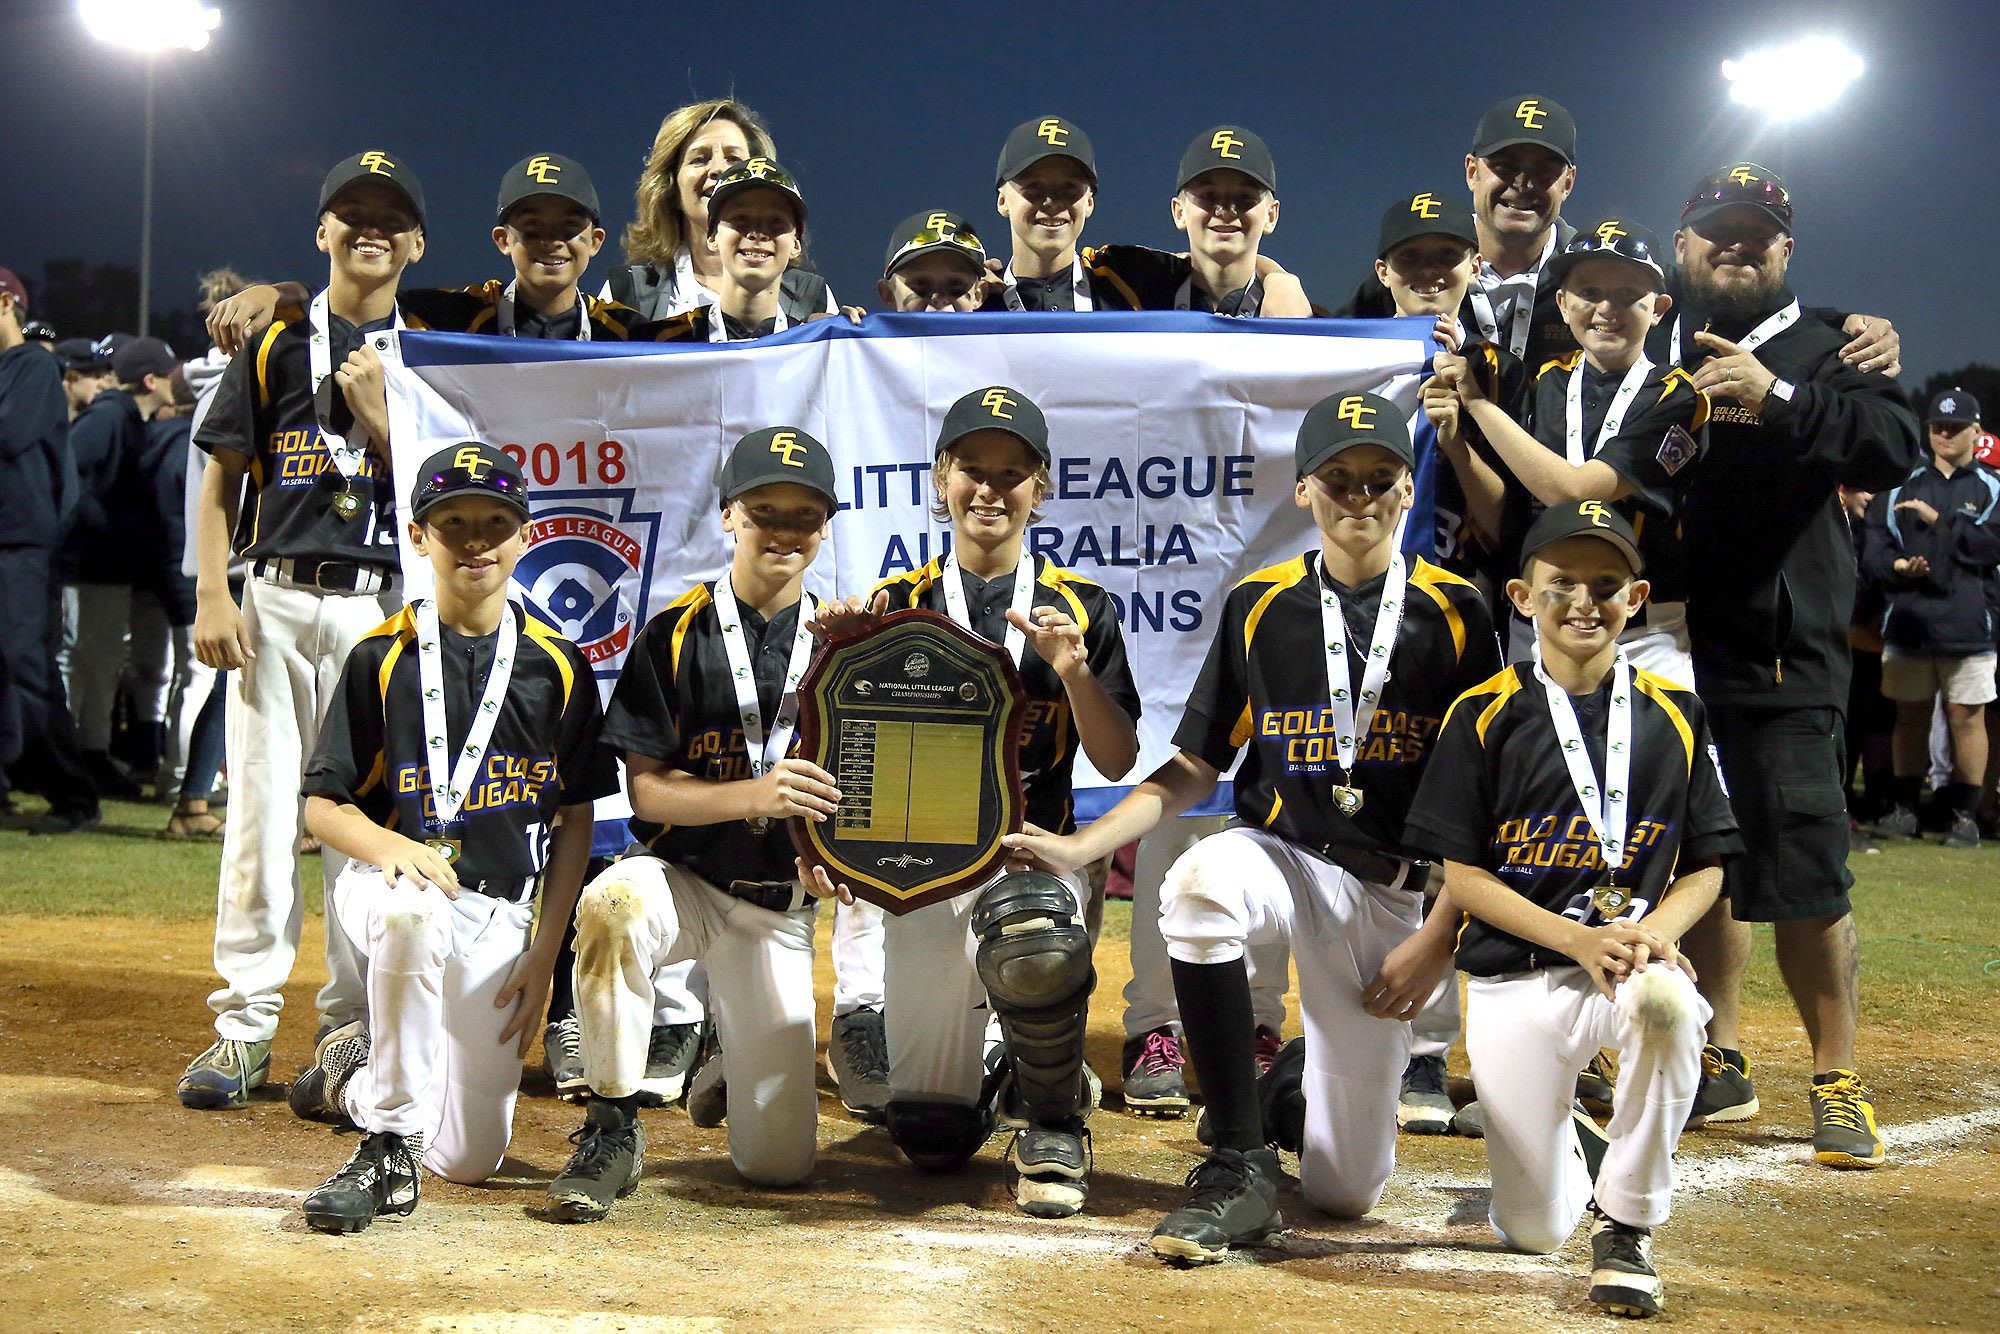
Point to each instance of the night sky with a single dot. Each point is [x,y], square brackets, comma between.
[906,108]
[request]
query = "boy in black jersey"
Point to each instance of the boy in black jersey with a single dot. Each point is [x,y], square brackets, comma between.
[1607,424]
[704,712]
[1576,804]
[936,263]
[302,411]
[1335,669]
[456,768]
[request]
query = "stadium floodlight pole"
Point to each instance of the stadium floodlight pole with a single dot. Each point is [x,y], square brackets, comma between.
[150,27]
[1793,80]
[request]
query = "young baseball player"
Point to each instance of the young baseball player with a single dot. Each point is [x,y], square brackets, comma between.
[303,412]
[456,769]
[1577,807]
[704,712]
[1607,424]
[936,263]
[1335,669]
[1016,947]
[757,227]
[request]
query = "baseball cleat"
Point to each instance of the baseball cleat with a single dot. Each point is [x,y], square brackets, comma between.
[1470,1121]
[1622,1278]
[1964,831]
[1235,1203]
[562,1059]
[610,1158]
[1051,1168]
[858,1059]
[1153,1083]
[1598,1083]
[1423,1107]
[381,1178]
[1844,1131]
[1901,822]
[1725,1092]
[670,1056]
[1265,1046]
[315,1094]
[708,1090]
[223,1075]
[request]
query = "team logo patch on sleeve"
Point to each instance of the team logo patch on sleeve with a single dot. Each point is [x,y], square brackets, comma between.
[1677,450]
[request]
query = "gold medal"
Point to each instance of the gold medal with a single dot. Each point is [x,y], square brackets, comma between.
[347,501]
[1346,800]
[447,848]
[1610,899]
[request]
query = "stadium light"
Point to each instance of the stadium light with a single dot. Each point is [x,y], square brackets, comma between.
[152,28]
[1785,82]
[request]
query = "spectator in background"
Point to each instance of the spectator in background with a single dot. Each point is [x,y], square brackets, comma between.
[1871,719]
[1932,543]
[40,331]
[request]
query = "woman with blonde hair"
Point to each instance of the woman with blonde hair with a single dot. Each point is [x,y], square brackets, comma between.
[669,270]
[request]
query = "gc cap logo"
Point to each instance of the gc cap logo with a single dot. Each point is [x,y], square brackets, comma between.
[1594,511]
[757,166]
[1743,175]
[1356,413]
[995,400]
[785,444]
[471,462]
[1426,205]
[936,222]
[1530,113]
[377,161]
[1225,143]
[1054,131]
[1609,231]
[543,170]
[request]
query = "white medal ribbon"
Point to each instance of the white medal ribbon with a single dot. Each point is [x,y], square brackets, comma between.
[765,750]
[1606,809]
[718,334]
[689,292]
[1614,416]
[504,316]
[1524,304]
[1351,722]
[1079,287]
[448,793]
[1024,598]
[347,459]
[1770,328]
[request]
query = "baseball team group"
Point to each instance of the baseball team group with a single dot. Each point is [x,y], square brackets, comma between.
[1565,718]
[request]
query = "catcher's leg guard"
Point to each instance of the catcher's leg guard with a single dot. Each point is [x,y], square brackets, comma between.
[1034,959]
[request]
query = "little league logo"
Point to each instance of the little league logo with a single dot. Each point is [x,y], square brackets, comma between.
[586,570]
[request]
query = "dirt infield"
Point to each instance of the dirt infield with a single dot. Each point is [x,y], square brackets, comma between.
[120,1210]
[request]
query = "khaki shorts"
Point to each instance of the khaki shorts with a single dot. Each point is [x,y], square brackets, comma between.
[1912,678]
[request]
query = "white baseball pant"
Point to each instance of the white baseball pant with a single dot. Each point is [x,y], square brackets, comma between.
[1149,996]
[436,1063]
[187,692]
[1529,1034]
[643,914]
[936,1013]
[858,957]
[1246,888]
[276,701]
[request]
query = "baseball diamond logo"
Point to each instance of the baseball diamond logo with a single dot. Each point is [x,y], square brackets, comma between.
[587,570]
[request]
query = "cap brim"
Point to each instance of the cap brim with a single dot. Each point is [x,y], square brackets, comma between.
[1707,209]
[790,475]
[500,219]
[1322,454]
[1488,150]
[1462,237]
[389,181]
[1256,176]
[947,441]
[903,257]
[1016,168]
[1560,265]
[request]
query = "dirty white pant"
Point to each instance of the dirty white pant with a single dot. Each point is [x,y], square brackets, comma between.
[643,914]
[276,703]
[436,1064]
[858,958]
[1247,888]
[1528,1035]
[1149,996]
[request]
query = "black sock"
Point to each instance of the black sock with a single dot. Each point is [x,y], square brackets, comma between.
[1217,1022]
[1961,798]
[627,1108]
[1907,792]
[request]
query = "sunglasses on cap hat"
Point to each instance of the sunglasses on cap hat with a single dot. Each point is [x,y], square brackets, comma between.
[1740,183]
[946,235]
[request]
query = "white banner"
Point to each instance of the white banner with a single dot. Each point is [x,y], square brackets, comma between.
[1172,435]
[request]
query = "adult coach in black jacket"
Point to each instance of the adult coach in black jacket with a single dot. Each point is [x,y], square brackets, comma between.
[1771,580]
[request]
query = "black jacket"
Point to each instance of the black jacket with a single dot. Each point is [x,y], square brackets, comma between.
[159,528]
[1946,610]
[37,475]
[107,439]
[1770,563]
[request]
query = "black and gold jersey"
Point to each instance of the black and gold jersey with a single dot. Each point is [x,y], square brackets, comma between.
[1149,279]
[477,310]
[263,410]
[543,754]
[675,701]
[1498,795]
[1048,751]
[1264,686]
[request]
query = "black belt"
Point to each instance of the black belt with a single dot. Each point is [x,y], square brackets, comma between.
[510,891]
[328,576]
[772,895]
[1376,868]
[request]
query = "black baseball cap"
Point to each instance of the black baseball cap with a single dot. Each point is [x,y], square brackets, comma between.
[548,174]
[1045,136]
[1740,183]
[1614,238]
[756,173]
[39,331]
[1229,148]
[1953,405]
[141,357]
[91,356]
[1340,422]
[1526,120]
[997,408]
[1425,213]
[1583,518]
[374,165]
[469,468]
[778,454]
[938,229]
